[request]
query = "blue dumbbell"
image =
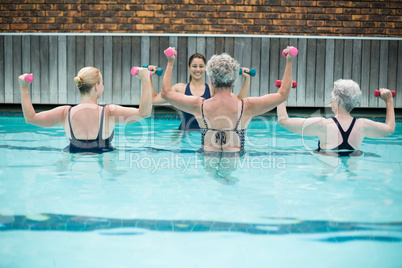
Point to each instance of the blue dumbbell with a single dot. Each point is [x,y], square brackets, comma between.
[252,72]
[158,72]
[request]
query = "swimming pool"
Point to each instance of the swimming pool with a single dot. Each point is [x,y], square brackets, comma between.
[153,203]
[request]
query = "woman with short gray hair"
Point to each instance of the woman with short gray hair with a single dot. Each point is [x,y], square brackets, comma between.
[333,139]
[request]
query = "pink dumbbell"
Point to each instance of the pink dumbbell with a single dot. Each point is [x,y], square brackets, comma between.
[292,51]
[28,78]
[377,93]
[169,52]
[278,84]
[135,70]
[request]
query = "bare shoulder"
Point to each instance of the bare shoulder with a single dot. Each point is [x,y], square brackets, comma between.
[179,87]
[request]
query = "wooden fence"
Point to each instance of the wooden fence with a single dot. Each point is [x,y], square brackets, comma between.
[54,60]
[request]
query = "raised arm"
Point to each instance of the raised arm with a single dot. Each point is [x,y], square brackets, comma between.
[43,119]
[260,105]
[246,84]
[375,129]
[189,104]
[131,115]
[156,98]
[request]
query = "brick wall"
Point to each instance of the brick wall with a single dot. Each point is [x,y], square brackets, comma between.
[290,17]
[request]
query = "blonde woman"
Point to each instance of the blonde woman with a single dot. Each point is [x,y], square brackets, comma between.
[89,127]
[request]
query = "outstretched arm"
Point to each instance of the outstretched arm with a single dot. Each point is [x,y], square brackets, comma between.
[145,108]
[263,104]
[43,119]
[189,104]
[375,129]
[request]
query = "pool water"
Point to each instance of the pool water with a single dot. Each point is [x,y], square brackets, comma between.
[154,202]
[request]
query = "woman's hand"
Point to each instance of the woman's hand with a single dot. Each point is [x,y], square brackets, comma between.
[245,72]
[171,54]
[23,83]
[385,94]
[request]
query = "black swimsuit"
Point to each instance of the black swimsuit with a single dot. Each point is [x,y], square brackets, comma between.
[221,135]
[348,149]
[97,145]
[189,122]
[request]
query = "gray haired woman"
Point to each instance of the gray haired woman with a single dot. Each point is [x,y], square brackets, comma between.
[223,119]
[341,134]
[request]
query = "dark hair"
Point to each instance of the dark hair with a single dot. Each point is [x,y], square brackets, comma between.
[196,56]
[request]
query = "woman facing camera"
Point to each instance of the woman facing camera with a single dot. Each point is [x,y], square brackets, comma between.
[90,127]
[341,134]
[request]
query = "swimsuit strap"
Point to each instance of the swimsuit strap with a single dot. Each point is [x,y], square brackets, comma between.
[69,122]
[347,132]
[101,124]
[241,114]
[202,112]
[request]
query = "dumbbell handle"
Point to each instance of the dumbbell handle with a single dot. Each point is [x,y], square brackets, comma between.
[159,71]
[292,51]
[278,84]
[252,72]
[377,93]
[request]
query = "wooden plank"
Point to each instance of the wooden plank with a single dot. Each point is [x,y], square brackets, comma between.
[374,72]
[8,72]
[79,61]
[255,64]
[274,65]
[52,78]
[347,59]
[44,69]
[319,100]
[301,72]
[98,61]
[162,61]
[239,50]
[219,46]
[72,71]
[329,70]
[126,70]
[200,43]
[89,51]
[182,60]
[357,61]
[17,67]
[311,71]
[136,54]
[211,47]
[292,100]
[265,84]
[2,82]
[108,69]
[398,99]
[383,74]
[173,42]
[116,63]
[62,69]
[392,64]
[145,51]
[365,82]
[191,49]
[229,46]
[338,66]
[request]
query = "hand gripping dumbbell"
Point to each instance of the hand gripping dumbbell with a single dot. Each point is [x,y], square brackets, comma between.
[135,70]
[292,51]
[278,84]
[252,72]
[28,78]
[377,93]
[159,71]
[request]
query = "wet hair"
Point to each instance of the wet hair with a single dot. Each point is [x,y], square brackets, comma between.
[223,69]
[86,78]
[347,93]
[196,56]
